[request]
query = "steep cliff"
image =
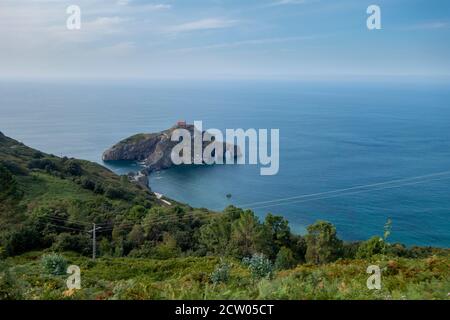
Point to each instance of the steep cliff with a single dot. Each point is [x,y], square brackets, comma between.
[154,149]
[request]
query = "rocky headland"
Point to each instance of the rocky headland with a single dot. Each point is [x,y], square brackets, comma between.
[153,150]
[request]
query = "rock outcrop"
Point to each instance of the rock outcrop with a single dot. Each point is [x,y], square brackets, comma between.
[153,150]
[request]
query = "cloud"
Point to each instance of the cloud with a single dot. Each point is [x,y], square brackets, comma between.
[118,49]
[287,2]
[251,42]
[123,2]
[433,25]
[156,7]
[91,31]
[144,6]
[204,24]
[104,24]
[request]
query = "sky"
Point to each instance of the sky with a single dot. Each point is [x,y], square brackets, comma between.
[260,39]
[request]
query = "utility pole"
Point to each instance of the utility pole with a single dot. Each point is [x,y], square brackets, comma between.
[94,249]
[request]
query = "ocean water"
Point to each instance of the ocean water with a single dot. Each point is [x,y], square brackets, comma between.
[334,138]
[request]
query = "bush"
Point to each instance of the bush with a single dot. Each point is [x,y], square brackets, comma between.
[54,264]
[37,155]
[221,273]
[167,249]
[7,183]
[73,168]
[9,286]
[87,184]
[350,249]
[259,266]
[21,240]
[371,247]
[285,259]
[99,188]
[43,164]
[116,193]
[14,168]
[72,242]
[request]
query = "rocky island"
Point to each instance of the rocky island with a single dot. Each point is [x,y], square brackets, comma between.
[153,150]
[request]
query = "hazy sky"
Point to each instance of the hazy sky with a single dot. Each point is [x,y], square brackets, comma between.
[224,38]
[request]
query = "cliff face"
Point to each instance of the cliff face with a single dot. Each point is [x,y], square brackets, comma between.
[154,149]
[135,148]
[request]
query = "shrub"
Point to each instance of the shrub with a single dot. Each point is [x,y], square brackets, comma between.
[73,168]
[21,240]
[349,249]
[7,182]
[136,236]
[136,213]
[54,264]
[285,259]
[14,168]
[87,184]
[99,188]
[167,249]
[373,246]
[37,155]
[10,288]
[42,164]
[105,247]
[116,193]
[259,266]
[72,242]
[221,273]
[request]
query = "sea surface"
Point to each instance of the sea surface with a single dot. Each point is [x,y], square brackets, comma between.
[353,153]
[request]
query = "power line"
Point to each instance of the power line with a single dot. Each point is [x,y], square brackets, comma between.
[163,219]
[69,221]
[340,190]
[157,220]
[64,227]
[346,194]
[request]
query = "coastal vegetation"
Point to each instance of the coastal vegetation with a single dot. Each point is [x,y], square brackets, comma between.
[147,249]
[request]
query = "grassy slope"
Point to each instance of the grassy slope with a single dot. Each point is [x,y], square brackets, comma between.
[188,278]
[38,187]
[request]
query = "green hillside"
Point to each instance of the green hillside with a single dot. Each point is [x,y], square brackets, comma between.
[148,249]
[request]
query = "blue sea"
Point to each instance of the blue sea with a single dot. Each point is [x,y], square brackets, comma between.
[334,138]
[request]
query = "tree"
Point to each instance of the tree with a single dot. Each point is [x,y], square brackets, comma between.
[323,246]
[215,236]
[168,248]
[136,236]
[232,213]
[277,232]
[285,259]
[298,247]
[246,234]
[136,213]
[22,239]
[72,242]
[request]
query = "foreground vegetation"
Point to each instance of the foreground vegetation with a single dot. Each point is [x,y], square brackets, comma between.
[148,249]
[192,278]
